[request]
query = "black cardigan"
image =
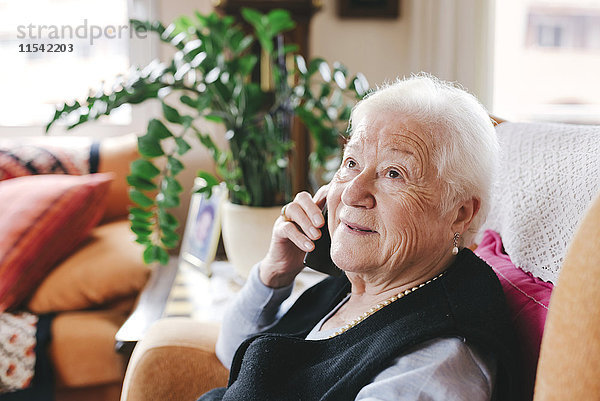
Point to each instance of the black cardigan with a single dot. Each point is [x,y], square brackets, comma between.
[467,302]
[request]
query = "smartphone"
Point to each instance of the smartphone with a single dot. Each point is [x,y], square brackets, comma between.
[319,259]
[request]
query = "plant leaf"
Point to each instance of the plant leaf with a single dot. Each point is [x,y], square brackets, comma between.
[314,64]
[162,256]
[210,182]
[139,198]
[140,221]
[166,219]
[167,200]
[361,84]
[169,242]
[154,253]
[171,186]
[171,114]
[252,16]
[185,99]
[140,239]
[174,165]
[169,234]
[144,169]
[301,63]
[214,118]
[149,254]
[182,145]
[140,183]
[325,71]
[210,179]
[139,213]
[140,231]
[290,48]
[280,21]
[149,146]
[158,130]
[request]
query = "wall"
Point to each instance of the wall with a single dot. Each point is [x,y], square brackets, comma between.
[379,48]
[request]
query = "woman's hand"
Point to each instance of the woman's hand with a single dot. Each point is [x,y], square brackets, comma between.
[292,238]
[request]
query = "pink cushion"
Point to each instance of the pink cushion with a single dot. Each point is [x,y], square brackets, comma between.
[528,298]
[43,219]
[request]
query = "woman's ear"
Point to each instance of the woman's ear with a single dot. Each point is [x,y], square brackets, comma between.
[464,215]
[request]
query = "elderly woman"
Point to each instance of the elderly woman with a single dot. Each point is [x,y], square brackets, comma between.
[414,317]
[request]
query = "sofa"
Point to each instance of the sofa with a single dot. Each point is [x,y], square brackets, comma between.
[542,238]
[68,232]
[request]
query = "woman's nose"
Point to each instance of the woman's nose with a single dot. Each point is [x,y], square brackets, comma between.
[359,192]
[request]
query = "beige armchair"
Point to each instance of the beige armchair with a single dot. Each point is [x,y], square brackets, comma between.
[569,364]
[176,360]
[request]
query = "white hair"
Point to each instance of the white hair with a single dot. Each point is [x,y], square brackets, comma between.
[466,150]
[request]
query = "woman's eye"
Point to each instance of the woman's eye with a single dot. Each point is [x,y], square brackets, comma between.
[393,174]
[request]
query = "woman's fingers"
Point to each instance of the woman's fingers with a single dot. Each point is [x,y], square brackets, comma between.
[299,225]
[311,209]
[304,218]
[297,212]
[299,239]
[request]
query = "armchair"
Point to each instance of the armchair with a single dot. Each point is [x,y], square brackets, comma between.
[176,359]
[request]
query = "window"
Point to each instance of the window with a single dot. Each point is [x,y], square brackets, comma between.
[546,60]
[57,50]
[549,36]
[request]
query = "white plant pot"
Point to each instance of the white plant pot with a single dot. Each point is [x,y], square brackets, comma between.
[247,234]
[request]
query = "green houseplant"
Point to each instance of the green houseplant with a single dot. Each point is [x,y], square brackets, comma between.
[210,77]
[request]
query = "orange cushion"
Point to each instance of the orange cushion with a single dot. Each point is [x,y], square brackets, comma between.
[106,268]
[82,349]
[44,217]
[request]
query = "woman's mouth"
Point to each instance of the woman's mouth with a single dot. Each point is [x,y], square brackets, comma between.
[358,228]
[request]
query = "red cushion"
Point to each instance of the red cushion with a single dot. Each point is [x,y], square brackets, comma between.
[43,219]
[528,298]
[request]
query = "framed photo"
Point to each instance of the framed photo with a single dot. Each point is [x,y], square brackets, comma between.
[203,228]
[368,8]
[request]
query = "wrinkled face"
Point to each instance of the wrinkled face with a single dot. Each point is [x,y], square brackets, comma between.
[382,202]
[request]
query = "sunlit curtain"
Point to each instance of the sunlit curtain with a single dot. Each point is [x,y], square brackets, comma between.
[453,40]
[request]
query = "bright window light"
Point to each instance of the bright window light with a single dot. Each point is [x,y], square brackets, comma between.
[85,43]
[547,60]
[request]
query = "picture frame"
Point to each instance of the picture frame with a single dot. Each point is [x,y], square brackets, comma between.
[369,8]
[203,228]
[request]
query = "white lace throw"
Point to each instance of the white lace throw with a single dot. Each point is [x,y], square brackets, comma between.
[548,175]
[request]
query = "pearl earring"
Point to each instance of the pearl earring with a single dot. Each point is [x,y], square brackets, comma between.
[455,249]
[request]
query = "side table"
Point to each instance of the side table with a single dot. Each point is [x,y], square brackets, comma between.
[179,289]
[199,297]
[149,307]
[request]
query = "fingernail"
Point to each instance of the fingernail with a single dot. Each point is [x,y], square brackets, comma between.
[314,232]
[308,246]
[317,219]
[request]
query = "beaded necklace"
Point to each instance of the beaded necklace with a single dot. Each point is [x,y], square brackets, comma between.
[381,305]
